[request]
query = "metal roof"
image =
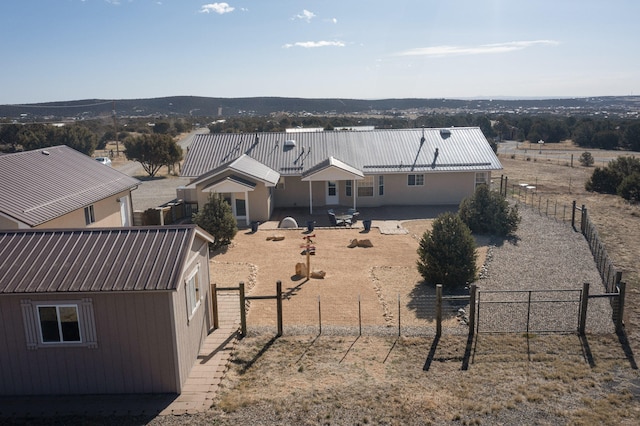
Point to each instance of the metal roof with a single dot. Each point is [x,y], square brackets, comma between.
[372,152]
[246,166]
[95,260]
[330,163]
[40,185]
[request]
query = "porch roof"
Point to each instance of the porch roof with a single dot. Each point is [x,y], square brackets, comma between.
[332,169]
[230,184]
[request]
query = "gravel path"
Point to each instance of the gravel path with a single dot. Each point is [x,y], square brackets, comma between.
[545,255]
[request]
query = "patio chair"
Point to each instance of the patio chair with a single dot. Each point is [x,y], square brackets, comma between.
[354,215]
[338,221]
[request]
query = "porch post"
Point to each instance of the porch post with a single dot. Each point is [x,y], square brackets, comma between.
[355,192]
[246,206]
[310,199]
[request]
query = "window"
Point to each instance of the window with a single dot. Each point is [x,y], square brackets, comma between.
[348,188]
[89,215]
[481,179]
[380,185]
[415,180]
[331,189]
[365,187]
[59,323]
[193,292]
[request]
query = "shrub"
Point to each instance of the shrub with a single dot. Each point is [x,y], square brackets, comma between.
[447,253]
[586,159]
[217,219]
[488,212]
[604,180]
[629,188]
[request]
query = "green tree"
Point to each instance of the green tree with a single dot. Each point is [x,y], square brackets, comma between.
[152,151]
[629,188]
[586,159]
[488,212]
[632,137]
[217,219]
[447,254]
[162,127]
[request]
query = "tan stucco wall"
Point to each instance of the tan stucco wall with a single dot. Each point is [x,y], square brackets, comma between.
[438,189]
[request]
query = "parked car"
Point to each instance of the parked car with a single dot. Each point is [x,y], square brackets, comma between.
[104,160]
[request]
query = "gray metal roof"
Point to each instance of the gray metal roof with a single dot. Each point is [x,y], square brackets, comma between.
[40,185]
[372,152]
[247,166]
[94,260]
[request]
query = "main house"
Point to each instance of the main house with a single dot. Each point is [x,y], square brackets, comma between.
[259,172]
[102,311]
[58,187]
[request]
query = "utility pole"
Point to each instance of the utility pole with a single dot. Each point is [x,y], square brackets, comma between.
[115,129]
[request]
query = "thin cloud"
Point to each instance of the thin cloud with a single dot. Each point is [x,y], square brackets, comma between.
[219,8]
[312,44]
[305,16]
[440,51]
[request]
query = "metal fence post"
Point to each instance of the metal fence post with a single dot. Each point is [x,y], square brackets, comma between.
[584,301]
[622,289]
[279,305]
[243,313]
[573,215]
[438,310]
[472,310]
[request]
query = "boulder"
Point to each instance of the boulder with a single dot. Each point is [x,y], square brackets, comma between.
[318,274]
[301,269]
[275,238]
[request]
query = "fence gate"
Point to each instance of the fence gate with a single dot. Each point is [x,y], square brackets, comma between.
[528,311]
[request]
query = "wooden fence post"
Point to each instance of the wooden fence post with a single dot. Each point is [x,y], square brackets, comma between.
[214,303]
[279,305]
[584,301]
[438,310]
[506,185]
[573,215]
[472,310]
[583,220]
[622,290]
[243,313]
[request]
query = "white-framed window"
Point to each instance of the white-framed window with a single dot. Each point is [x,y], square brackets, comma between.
[482,178]
[381,185]
[59,323]
[348,188]
[365,187]
[415,180]
[89,215]
[192,287]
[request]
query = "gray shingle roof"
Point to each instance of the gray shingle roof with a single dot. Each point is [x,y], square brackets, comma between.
[372,152]
[40,185]
[94,260]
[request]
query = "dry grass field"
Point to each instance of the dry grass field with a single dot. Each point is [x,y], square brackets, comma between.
[495,379]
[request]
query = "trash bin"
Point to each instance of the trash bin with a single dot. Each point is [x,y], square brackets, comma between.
[367,224]
[311,225]
[254,226]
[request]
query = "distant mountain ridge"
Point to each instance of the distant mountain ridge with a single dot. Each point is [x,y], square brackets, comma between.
[232,107]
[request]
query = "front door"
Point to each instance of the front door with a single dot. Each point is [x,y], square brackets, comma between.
[332,193]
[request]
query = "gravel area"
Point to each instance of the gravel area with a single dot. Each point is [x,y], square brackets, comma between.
[545,255]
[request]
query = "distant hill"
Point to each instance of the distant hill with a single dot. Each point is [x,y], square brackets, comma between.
[230,107]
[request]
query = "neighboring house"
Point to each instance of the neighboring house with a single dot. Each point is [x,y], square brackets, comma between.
[102,311]
[58,187]
[259,172]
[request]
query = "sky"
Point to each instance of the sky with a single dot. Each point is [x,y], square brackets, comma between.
[58,50]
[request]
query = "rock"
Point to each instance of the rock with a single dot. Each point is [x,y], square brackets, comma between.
[318,274]
[360,243]
[301,269]
[275,238]
[354,243]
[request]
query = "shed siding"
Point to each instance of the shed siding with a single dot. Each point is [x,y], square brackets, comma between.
[190,334]
[134,353]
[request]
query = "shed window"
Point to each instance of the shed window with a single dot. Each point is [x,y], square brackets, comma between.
[415,180]
[481,179]
[59,323]
[365,187]
[89,215]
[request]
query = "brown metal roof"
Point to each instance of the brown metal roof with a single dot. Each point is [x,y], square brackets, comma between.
[429,150]
[95,259]
[40,185]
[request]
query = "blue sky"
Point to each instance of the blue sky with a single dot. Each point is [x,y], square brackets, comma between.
[57,50]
